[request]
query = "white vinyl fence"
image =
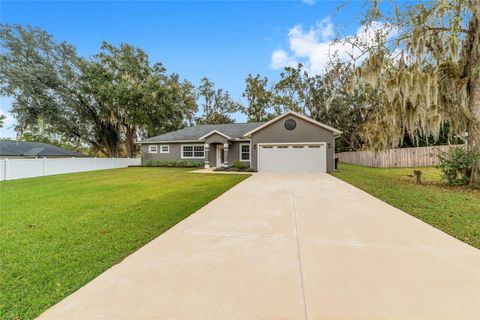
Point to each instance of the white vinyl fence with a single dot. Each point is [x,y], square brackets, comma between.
[11,169]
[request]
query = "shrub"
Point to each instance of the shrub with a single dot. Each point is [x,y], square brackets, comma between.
[457,166]
[240,165]
[175,163]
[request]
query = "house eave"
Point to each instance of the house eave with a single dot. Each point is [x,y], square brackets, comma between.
[168,141]
[215,132]
[290,112]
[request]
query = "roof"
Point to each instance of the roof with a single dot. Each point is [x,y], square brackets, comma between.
[232,130]
[34,149]
[265,124]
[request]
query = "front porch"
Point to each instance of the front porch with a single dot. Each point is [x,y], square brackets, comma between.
[216,154]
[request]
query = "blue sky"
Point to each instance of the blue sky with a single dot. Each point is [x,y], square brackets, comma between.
[224,41]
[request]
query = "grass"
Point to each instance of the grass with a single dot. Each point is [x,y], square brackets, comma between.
[59,232]
[454,210]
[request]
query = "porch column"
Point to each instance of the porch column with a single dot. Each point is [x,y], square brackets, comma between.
[225,154]
[207,156]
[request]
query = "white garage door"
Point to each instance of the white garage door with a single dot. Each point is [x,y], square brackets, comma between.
[292,157]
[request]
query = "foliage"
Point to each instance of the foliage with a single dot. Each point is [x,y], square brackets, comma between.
[457,166]
[217,104]
[2,119]
[259,97]
[453,210]
[106,102]
[424,62]
[55,140]
[176,163]
[84,223]
[299,91]
[240,165]
[140,100]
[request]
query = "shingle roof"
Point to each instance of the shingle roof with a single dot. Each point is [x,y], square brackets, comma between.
[233,130]
[33,149]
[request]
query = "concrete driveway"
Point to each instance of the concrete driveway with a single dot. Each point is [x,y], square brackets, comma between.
[289,246]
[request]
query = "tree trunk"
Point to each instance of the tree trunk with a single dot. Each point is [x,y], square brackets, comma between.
[473,141]
[130,141]
[472,68]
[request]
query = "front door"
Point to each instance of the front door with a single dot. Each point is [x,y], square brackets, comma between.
[220,156]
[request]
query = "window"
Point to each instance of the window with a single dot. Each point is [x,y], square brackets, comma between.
[282,147]
[193,151]
[244,152]
[152,149]
[298,147]
[314,146]
[165,149]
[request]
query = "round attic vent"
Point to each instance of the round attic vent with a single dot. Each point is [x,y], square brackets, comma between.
[290,124]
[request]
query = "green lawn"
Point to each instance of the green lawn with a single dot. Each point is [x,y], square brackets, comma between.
[59,232]
[453,210]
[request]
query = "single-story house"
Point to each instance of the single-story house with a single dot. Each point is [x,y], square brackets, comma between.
[289,142]
[30,150]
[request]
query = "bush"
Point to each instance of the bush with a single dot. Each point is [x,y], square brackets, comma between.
[240,165]
[457,166]
[175,163]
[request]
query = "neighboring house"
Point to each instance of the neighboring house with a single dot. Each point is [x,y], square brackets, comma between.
[30,150]
[289,142]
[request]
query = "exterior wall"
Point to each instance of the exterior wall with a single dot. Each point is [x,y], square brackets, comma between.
[215,138]
[174,154]
[303,132]
[233,153]
[176,151]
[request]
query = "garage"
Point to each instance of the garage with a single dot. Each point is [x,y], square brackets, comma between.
[292,157]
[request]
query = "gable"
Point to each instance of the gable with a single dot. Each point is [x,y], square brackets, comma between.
[296,116]
[304,131]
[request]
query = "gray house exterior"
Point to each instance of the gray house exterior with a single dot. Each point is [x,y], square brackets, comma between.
[289,142]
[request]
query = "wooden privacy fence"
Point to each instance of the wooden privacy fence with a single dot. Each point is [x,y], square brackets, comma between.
[396,158]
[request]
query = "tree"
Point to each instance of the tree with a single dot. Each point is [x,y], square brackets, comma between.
[106,102]
[347,109]
[299,91]
[259,99]
[2,119]
[45,80]
[140,100]
[430,77]
[217,104]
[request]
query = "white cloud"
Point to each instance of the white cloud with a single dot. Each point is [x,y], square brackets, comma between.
[315,47]
[281,59]
[309,2]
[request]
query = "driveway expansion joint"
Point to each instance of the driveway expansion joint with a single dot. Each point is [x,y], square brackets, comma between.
[299,257]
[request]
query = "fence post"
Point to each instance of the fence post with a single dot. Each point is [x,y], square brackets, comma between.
[6,169]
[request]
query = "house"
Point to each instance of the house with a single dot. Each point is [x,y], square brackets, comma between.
[30,150]
[289,142]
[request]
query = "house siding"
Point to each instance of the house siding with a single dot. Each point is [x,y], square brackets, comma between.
[305,131]
[174,154]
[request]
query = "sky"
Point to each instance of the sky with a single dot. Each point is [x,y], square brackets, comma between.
[221,40]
